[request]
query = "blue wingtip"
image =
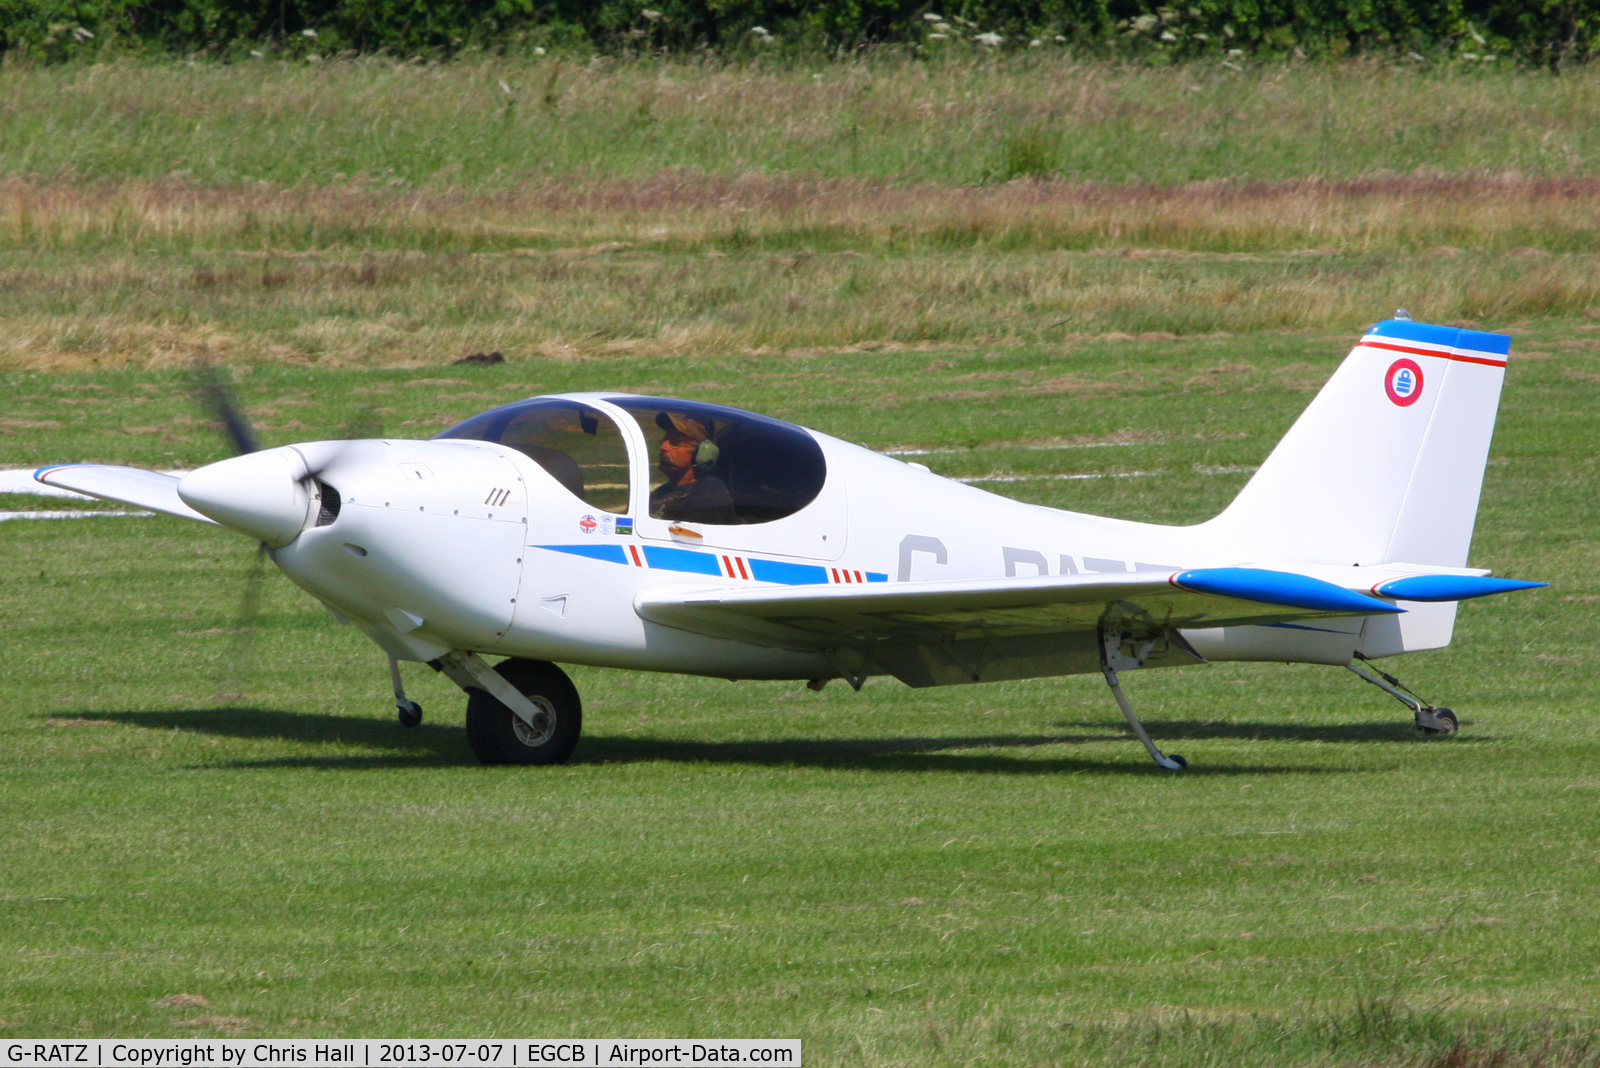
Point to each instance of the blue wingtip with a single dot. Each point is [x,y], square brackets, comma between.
[1281,587]
[1450,587]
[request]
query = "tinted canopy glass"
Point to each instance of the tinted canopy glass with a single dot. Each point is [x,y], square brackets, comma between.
[580,447]
[711,464]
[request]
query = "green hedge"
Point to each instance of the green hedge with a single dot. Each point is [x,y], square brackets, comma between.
[1546,32]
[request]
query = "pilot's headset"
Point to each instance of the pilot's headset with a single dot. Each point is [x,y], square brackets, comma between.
[706,453]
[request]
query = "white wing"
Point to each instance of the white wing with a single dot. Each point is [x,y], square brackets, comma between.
[937,633]
[127,485]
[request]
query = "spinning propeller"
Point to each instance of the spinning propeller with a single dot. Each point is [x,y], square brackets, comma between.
[264,493]
[211,390]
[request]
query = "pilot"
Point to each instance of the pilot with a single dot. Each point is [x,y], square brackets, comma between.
[691,493]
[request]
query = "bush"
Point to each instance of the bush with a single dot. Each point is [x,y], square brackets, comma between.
[1548,32]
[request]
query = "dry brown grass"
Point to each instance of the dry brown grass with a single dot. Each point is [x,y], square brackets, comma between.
[153,314]
[153,273]
[679,210]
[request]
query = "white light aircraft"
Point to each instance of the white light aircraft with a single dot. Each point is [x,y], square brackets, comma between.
[668,535]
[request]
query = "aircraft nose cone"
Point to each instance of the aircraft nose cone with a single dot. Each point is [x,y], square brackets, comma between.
[259,494]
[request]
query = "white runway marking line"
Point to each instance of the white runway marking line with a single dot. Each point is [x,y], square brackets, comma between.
[1057,478]
[914,451]
[1199,469]
[6,516]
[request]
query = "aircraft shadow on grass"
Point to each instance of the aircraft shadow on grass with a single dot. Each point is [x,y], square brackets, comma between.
[444,746]
[1388,730]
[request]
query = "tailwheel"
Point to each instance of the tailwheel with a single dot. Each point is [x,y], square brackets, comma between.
[1437,721]
[1430,719]
[499,735]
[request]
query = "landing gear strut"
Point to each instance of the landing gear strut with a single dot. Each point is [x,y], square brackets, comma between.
[409,711]
[1430,720]
[1117,650]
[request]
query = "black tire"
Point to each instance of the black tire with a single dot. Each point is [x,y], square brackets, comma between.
[1445,716]
[498,735]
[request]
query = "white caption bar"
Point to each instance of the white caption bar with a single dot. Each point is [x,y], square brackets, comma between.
[377,1053]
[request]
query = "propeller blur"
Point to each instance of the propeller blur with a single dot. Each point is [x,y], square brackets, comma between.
[670,535]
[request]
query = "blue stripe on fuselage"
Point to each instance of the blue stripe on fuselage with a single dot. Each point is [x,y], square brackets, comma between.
[781,571]
[666,558]
[688,561]
[610,553]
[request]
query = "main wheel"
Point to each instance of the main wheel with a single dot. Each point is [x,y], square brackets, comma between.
[498,735]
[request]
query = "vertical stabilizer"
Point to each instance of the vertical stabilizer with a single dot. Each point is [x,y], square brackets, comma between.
[1387,463]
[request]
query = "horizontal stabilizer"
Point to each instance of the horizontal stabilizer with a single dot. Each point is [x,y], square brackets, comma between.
[1280,588]
[1450,587]
[126,485]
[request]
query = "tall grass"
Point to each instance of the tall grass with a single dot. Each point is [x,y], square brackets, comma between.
[341,307]
[683,210]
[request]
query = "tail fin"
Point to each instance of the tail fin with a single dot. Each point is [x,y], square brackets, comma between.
[1387,463]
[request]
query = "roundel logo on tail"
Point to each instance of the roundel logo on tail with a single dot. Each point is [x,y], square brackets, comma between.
[1403,382]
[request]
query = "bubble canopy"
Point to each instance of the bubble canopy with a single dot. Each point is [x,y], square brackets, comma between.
[737,467]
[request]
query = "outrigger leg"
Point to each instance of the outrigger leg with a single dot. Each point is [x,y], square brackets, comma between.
[410,712]
[1111,658]
[1430,720]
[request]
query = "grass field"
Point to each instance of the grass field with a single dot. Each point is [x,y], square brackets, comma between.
[376,213]
[223,833]
[495,124]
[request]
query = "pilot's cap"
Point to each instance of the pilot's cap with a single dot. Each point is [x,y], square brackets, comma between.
[687,425]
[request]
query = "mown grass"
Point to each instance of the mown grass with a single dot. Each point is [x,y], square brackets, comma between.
[984,875]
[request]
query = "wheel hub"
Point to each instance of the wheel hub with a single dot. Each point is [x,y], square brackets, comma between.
[543,726]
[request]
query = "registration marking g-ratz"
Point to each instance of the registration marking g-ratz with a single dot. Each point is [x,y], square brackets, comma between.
[48,1052]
